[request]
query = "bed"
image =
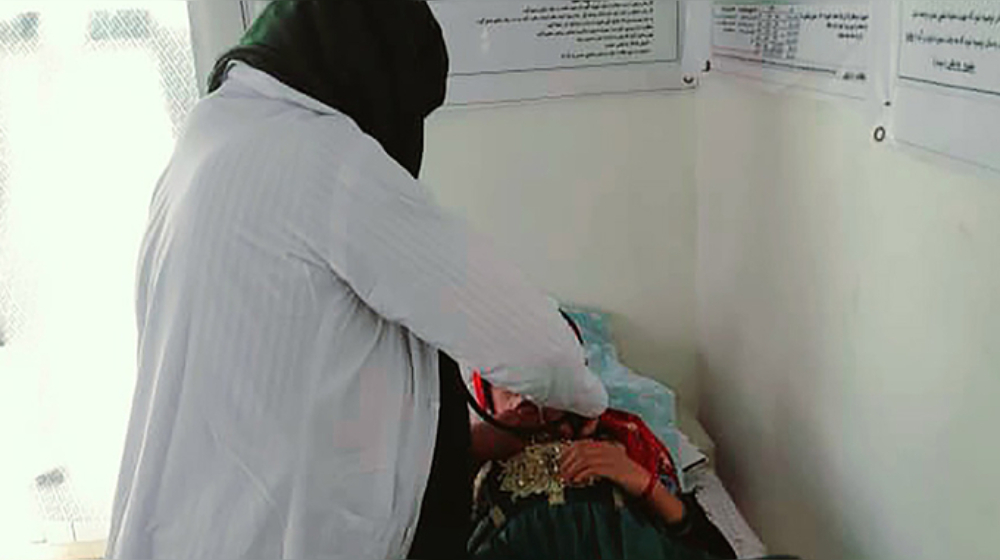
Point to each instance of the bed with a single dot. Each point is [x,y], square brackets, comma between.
[697,458]
[689,443]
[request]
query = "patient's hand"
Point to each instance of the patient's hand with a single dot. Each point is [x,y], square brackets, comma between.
[587,460]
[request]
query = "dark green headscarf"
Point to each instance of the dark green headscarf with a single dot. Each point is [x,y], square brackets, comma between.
[381,62]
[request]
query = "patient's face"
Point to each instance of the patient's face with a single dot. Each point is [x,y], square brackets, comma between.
[506,401]
[512,405]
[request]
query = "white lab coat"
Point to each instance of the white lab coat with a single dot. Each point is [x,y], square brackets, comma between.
[294,286]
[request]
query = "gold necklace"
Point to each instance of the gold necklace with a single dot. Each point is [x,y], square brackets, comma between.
[536,471]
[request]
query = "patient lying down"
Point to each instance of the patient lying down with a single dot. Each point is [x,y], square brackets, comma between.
[605,489]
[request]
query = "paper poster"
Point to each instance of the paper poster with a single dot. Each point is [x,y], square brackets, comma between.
[948,91]
[506,36]
[825,46]
[505,50]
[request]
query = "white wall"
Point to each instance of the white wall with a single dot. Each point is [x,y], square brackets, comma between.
[848,295]
[849,317]
[594,198]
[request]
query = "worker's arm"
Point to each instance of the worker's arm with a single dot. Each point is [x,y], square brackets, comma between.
[492,444]
[423,267]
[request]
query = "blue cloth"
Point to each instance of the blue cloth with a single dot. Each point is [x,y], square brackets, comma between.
[654,402]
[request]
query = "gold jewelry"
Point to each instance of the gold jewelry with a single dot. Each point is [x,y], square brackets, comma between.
[536,471]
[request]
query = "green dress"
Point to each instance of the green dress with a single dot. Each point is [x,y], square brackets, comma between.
[571,523]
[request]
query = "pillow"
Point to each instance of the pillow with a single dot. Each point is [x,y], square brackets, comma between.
[627,391]
[594,325]
[596,332]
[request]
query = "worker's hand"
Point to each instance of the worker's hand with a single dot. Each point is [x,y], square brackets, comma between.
[584,461]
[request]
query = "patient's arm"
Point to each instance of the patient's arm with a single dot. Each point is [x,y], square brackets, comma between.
[586,460]
[669,507]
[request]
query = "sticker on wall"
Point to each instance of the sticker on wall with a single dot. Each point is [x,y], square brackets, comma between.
[948,79]
[826,47]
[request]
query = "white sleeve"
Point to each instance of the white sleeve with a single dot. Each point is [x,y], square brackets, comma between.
[418,265]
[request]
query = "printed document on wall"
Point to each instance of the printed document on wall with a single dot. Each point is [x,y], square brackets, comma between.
[825,46]
[948,90]
[509,50]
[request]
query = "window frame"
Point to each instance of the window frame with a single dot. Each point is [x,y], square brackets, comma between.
[215,28]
